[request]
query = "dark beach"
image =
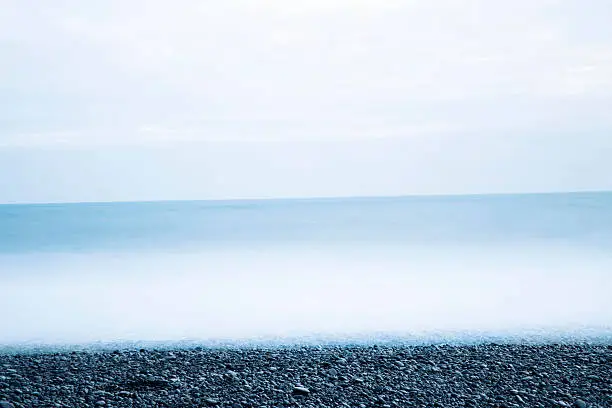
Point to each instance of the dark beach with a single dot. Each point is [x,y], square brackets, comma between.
[557,375]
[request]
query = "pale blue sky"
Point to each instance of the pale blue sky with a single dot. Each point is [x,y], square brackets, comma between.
[145,100]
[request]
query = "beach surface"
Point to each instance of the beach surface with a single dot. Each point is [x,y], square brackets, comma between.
[487,375]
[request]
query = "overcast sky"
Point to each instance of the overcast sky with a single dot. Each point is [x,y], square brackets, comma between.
[141,100]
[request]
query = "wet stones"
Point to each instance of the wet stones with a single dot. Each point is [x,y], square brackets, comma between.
[487,375]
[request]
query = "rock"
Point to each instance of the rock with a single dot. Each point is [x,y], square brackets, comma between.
[211,401]
[6,404]
[147,383]
[101,403]
[580,403]
[299,390]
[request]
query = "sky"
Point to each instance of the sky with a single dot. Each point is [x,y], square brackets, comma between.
[148,100]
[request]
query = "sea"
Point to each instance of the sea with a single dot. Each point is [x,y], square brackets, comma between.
[413,270]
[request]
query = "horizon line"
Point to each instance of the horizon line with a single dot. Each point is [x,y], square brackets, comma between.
[307,198]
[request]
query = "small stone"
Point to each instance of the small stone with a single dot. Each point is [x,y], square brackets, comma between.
[580,403]
[211,401]
[6,404]
[100,403]
[232,375]
[299,390]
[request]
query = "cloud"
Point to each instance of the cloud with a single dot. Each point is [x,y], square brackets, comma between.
[116,65]
[477,81]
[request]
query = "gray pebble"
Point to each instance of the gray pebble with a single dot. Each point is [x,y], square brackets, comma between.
[580,404]
[299,390]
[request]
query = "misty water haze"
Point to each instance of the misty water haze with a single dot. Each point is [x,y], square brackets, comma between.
[420,269]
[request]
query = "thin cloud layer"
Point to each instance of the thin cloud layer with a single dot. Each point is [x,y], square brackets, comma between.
[509,96]
[74,66]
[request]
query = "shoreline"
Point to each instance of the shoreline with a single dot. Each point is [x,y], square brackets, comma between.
[487,375]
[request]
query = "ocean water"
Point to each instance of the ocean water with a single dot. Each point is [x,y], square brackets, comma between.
[409,269]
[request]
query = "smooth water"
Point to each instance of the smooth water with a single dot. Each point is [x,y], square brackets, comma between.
[416,269]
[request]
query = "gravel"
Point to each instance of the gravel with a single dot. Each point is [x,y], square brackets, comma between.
[563,375]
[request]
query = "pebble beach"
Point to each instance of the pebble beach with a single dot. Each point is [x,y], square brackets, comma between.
[488,375]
